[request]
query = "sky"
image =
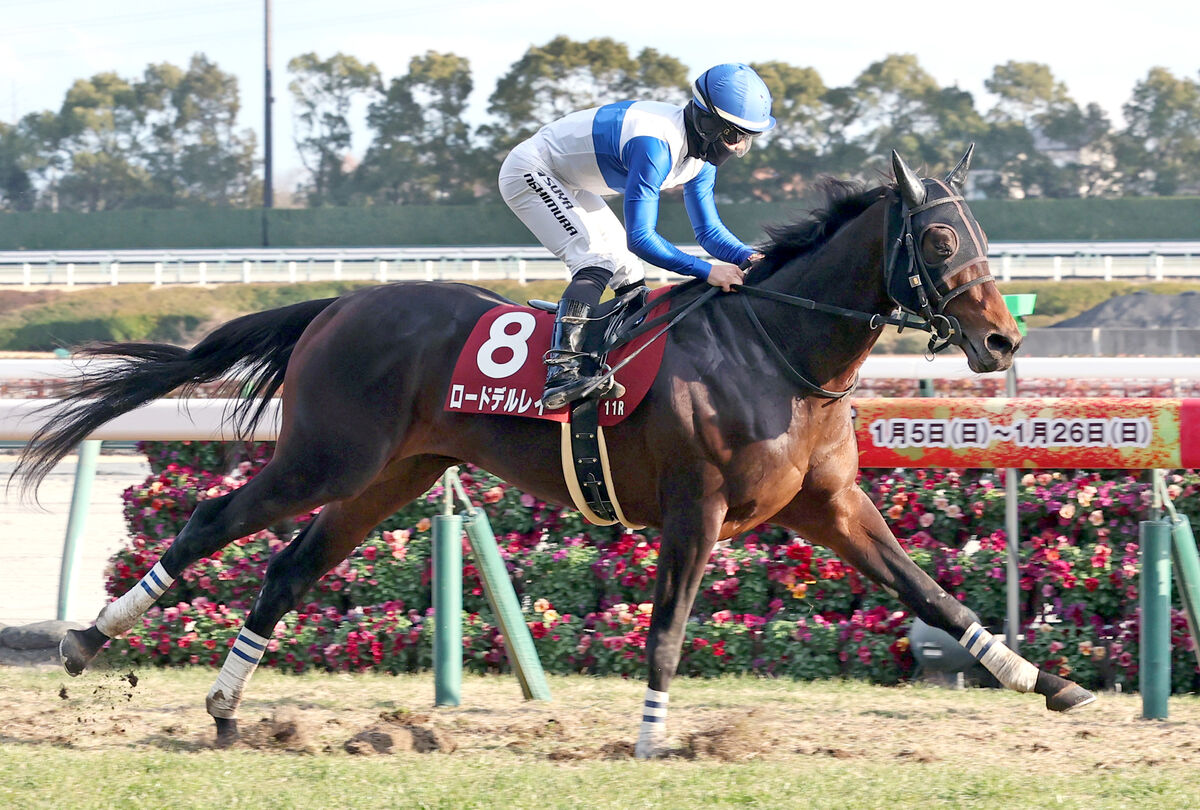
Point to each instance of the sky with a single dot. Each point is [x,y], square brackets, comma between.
[1100,55]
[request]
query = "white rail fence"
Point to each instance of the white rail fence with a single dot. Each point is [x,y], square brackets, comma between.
[1011,260]
[203,419]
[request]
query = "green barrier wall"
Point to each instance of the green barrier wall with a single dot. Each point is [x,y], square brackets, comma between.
[493,224]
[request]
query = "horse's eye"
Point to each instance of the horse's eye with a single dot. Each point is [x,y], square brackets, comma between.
[938,244]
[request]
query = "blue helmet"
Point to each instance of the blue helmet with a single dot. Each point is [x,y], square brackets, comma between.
[736,94]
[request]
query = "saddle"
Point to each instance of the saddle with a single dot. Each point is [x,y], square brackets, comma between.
[584,455]
[611,320]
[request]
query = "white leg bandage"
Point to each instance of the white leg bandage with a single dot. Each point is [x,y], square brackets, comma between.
[653,734]
[1009,668]
[117,617]
[244,655]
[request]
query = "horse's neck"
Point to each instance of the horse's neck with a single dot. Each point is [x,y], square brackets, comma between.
[846,272]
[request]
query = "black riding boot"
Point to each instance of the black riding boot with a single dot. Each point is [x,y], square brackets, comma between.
[565,379]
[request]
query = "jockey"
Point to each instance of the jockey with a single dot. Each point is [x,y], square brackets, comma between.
[556,180]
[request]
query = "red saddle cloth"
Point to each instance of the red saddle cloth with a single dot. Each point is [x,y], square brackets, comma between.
[500,368]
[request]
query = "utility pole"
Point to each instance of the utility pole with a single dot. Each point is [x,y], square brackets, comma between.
[268,180]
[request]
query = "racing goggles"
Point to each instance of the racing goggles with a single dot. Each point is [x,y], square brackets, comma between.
[739,141]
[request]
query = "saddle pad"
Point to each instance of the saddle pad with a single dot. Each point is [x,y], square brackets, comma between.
[500,368]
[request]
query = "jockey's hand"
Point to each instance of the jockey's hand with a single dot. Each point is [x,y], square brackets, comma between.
[725,275]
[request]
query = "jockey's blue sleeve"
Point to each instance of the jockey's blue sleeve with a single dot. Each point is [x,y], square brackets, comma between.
[710,231]
[649,161]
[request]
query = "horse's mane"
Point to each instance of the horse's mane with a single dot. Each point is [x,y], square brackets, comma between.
[844,200]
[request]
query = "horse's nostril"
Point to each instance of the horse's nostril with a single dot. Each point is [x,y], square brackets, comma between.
[999,344]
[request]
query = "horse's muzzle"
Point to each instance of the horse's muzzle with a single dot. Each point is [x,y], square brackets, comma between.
[994,353]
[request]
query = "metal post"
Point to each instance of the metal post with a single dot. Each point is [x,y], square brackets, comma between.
[1186,563]
[447,604]
[268,98]
[1154,674]
[81,497]
[518,641]
[1013,541]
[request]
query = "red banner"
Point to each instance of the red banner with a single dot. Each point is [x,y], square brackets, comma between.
[1087,433]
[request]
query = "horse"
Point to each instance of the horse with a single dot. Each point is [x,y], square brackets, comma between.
[746,422]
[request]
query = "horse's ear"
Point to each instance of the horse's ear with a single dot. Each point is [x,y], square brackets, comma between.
[958,175]
[911,188]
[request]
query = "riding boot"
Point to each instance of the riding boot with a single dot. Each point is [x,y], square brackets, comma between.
[565,379]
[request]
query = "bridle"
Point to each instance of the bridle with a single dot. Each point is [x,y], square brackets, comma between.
[922,290]
[918,290]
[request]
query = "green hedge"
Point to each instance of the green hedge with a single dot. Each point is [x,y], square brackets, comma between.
[494,224]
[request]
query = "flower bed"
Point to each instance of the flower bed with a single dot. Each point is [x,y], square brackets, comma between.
[770,603]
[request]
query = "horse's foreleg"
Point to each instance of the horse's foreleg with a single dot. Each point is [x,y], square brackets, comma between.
[853,528]
[687,541]
[324,543]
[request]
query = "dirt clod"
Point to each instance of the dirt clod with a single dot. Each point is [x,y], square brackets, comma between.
[394,738]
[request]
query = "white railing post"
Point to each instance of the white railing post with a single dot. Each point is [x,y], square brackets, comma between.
[1158,267]
[202,273]
[1108,262]
[383,268]
[428,270]
[1006,267]
[291,272]
[475,269]
[113,269]
[1058,268]
[520,271]
[70,274]
[337,269]
[158,273]
[245,271]
[26,275]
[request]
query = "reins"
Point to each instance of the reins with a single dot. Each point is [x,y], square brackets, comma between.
[944,330]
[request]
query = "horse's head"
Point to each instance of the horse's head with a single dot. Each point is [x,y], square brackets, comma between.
[937,269]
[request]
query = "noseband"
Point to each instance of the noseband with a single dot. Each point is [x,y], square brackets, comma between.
[920,297]
[916,290]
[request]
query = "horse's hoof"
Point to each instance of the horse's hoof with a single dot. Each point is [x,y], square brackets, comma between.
[1070,697]
[227,732]
[79,647]
[650,750]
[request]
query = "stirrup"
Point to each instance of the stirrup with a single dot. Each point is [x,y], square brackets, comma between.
[571,390]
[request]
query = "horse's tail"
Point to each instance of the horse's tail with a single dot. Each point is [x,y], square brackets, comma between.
[256,346]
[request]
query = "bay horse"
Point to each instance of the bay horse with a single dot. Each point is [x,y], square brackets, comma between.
[747,422]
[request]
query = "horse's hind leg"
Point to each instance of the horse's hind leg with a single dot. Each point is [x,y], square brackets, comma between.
[288,485]
[850,525]
[325,542]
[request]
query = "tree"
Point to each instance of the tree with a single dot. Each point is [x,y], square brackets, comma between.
[1159,149]
[1041,142]
[198,157]
[100,138]
[422,151]
[164,139]
[325,90]
[786,159]
[563,76]
[900,106]
[16,185]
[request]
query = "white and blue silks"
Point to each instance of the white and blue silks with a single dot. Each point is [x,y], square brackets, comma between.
[556,181]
